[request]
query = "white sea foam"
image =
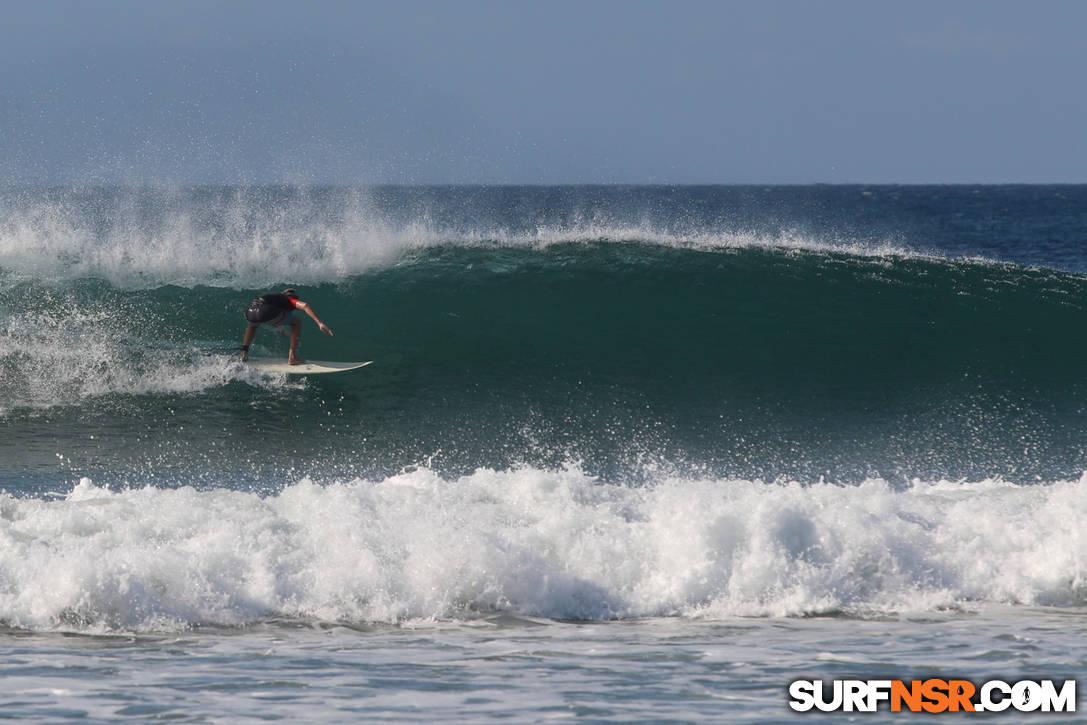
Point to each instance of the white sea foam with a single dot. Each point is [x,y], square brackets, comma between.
[535,543]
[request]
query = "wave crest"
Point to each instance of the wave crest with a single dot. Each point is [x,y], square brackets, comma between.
[252,237]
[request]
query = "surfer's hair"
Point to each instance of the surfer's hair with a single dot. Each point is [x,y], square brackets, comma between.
[291,292]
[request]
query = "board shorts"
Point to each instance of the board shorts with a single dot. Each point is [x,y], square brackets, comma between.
[262,313]
[286,318]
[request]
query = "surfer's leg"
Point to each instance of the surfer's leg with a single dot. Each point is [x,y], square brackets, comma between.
[296,333]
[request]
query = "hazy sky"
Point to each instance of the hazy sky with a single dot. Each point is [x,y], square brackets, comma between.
[549,91]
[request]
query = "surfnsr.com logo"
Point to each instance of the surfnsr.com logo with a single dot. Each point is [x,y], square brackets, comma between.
[932,695]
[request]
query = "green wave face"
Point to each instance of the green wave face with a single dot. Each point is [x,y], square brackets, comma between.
[621,357]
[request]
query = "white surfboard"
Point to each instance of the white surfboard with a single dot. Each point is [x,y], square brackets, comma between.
[310,367]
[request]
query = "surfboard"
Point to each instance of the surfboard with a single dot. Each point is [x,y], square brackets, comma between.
[310,367]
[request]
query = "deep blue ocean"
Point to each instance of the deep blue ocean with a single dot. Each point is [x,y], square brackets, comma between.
[624,453]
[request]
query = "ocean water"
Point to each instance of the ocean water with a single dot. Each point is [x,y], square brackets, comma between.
[625,453]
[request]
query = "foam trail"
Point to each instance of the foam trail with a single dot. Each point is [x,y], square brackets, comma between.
[531,542]
[69,351]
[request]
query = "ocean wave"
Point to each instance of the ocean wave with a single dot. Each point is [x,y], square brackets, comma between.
[536,543]
[752,361]
[535,326]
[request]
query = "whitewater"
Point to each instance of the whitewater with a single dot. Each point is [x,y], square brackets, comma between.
[418,548]
[624,452]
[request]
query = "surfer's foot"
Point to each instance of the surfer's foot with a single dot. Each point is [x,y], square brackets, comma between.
[295,361]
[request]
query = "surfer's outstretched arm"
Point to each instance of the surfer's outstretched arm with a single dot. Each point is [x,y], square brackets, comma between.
[300,305]
[247,339]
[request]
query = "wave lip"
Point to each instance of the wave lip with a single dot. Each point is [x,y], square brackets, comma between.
[532,543]
[251,237]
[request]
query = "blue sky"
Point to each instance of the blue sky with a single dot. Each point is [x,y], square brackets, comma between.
[596,91]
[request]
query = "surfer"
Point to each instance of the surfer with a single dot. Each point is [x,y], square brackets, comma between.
[275,309]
